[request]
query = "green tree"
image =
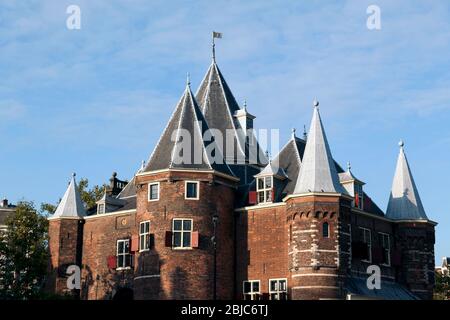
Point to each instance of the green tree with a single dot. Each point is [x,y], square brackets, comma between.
[442,287]
[23,253]
[89,196]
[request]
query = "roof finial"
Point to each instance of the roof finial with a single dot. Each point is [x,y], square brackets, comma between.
[74,174]
[349,166]
[245,105]
[305,135]
[293,133]
[401,144]
[268,156]
[188,80]
[142,165]
[315,103]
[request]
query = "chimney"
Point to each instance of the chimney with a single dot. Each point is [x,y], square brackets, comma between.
[5,203]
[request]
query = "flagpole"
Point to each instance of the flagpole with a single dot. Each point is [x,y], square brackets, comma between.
[213,48]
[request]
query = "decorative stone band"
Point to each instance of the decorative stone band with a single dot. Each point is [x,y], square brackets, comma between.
[147,276]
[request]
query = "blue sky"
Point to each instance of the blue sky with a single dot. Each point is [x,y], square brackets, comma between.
[95,100]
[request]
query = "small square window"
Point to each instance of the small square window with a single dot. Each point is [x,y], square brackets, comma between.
[153,191]
[192,190]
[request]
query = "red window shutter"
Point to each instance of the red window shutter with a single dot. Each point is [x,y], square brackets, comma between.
[168,238]
[112,262]
[356,200]
[252,197]
[134,244]
[273,194]
[194,240]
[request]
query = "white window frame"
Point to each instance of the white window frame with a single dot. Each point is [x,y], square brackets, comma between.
[144,237]
[388,248]
[182,231]
[264,189]
[277,292]
[149,190]
[124,254]
[198,190]
[101,205]
[253,294]
[369,243]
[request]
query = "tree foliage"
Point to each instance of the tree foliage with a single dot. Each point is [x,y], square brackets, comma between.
[442,286]
[23,253]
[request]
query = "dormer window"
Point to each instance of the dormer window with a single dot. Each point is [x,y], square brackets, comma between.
[264,186]
[101,208]
[359,196]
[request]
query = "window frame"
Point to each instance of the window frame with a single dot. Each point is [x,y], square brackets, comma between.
[197,183]
[264,189]
[384,236]
[145,235]
[149,191]
[252,294]
[328,229]
[278,292]
[360,192]
[182,231]
[369,244]
[126,255]
[101,205]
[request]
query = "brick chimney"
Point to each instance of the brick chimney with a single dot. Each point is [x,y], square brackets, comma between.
[5,203]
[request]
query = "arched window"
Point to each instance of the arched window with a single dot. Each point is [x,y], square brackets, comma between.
[325,230]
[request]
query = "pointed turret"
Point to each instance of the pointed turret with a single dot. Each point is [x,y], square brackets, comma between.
[222,112]
[181,146]
[404,202]
[71,205]
[318,171]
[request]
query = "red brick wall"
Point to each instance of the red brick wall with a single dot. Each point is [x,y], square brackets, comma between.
[100,241]
[65,250]
[166,273]
[261,247]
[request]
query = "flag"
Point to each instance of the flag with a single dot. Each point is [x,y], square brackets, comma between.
[217,35]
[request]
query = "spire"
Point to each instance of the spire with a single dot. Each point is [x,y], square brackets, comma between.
[318,170]
[293,133]
[188,80]
[172,151]
[71,205]
[404,201]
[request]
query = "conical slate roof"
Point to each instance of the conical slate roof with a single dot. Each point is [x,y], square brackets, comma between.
[71,205]
[404,202]
[318,171]
[172,152]
[219,106]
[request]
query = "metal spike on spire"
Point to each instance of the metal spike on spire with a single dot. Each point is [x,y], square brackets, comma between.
[245,104]
[349,166]
[315,103]
[293,133]
[188,80]
[305,134]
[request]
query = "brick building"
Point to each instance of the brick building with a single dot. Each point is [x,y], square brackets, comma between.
[296,227]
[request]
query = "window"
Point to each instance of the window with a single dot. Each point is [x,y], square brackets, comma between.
[123,254]
[264,189]
[251,290]
[181,233]
[191,190]
[367,239]
[153,191]
[385,245]
[359,196]
[144,235]
[101,209]
[278,289]
[325,230]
